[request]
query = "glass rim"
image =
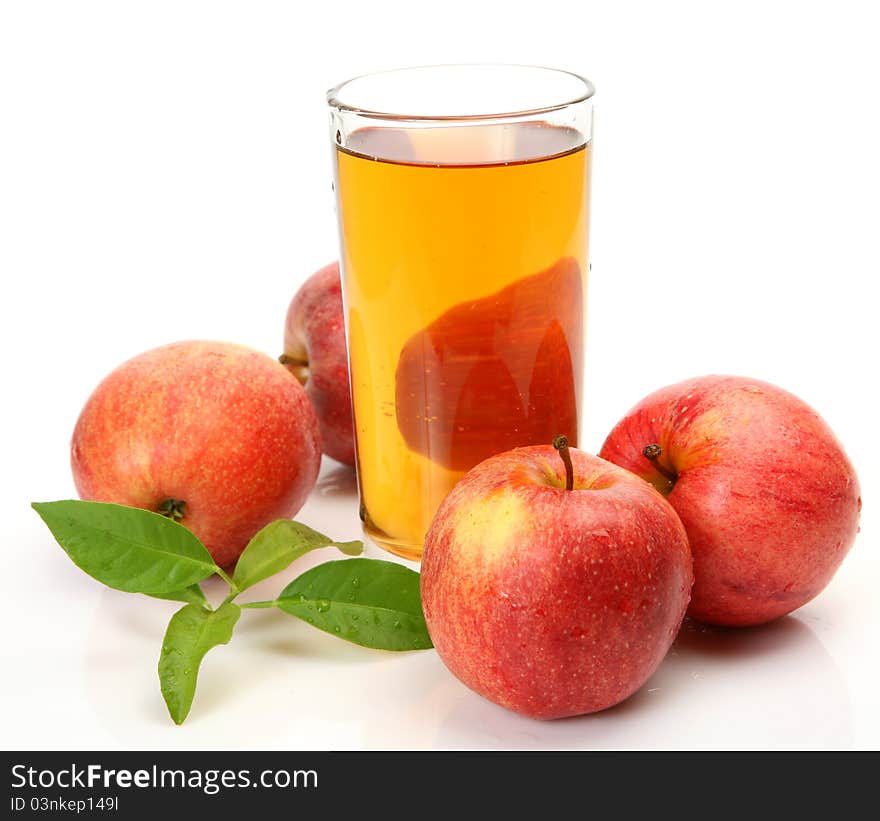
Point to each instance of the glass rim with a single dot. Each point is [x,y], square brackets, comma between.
[334,102]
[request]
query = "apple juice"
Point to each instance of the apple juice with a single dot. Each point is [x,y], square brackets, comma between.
[464,260]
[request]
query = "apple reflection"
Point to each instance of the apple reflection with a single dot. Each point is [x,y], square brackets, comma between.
[495,373]
[770,687]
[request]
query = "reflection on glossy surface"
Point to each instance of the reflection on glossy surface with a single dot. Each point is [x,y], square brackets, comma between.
[336,481]
[770,687]
[281,683]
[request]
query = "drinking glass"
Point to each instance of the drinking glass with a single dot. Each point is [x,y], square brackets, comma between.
[462,198]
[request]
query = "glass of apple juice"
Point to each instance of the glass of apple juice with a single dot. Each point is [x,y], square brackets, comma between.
[462,197]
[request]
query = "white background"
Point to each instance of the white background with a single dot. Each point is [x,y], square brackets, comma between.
[164,174]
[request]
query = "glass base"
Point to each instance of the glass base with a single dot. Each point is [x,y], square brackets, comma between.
[406,550]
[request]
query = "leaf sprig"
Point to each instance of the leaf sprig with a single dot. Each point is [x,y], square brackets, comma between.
[369,602]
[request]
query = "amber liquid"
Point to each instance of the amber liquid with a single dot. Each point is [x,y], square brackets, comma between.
[464,257]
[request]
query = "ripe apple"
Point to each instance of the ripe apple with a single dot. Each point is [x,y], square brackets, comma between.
[769,499]
[493,373]
[217,436]
[314,352]
[554,593]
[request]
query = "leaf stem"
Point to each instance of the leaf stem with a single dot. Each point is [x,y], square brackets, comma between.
[232,586]
[255,605]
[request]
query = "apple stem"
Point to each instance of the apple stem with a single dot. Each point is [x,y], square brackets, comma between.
[652,454]
[173,508]
[560,442]
[299,367]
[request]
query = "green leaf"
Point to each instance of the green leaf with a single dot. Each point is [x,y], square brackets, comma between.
[128,548]
[366,601]
[191,632]
[277,545]
[190,595]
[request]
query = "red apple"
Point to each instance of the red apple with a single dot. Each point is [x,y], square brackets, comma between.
[314,351]
[218,436]
[548,601]
[769,499]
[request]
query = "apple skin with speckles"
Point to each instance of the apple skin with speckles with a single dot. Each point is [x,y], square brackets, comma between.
[315,352]
[768,498]
[554,602]
[223,432]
